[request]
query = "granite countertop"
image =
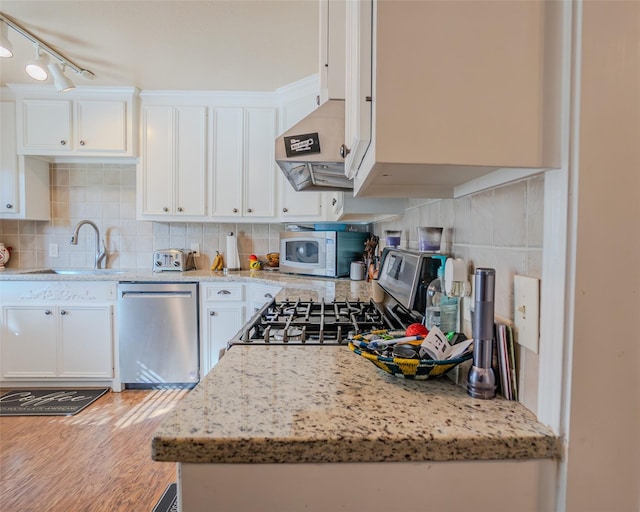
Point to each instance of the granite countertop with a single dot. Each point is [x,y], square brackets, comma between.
[293,286]
[326,404]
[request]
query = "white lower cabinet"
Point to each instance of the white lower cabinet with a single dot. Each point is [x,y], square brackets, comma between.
[222,322]
[222,315]
[57,331]
[225,308]
[259,295]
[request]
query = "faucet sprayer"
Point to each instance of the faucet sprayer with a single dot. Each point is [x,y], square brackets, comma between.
[100,255]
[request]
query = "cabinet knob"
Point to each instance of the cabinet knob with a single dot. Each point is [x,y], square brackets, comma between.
[9,206]
[344,151]
[63,142]
[249,210]
[334,201]
[235,210]
[224,292]
[212,313]
[268,296]
[318,100]
[63,312]
[165,209]
[368,98]
[285,210]
[82,143]
[47,312]
[179,208]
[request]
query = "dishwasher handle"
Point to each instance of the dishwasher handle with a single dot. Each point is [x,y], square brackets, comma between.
[151,294]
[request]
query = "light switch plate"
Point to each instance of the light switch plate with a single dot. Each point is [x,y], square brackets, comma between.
[526,311]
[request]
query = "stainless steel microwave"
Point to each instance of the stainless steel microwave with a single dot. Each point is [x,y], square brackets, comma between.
[320,253]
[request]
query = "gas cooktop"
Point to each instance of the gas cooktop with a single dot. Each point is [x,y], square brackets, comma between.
[311,323]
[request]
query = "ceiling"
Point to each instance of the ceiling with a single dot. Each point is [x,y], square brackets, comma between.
[215,45]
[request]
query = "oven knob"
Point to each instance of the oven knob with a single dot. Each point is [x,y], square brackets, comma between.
[176,263]
[158,263]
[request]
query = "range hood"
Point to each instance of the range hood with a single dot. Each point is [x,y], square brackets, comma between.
[309,152]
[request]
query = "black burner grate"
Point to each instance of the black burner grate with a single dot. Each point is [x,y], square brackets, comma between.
[312,323]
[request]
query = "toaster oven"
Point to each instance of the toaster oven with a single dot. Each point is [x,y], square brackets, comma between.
[173,259]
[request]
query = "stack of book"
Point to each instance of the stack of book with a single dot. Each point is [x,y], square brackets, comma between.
[506,361]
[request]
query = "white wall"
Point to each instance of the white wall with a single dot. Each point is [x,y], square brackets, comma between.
[603,464]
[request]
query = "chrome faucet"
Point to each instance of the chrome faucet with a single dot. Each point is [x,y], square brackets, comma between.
[100,255]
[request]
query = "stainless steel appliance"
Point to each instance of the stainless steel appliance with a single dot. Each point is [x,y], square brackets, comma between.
[311,153]
[158,334]
[295,322]
[405,276]
[320,253]
[173,259]
[311,323]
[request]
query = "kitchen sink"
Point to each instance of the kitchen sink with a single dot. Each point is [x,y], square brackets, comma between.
[77,271]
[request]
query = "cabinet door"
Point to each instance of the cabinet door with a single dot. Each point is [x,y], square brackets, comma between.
[298,205]
[158,160]
[332,49]
[85,343]
[191,160]
[9,192]
[260,166]
[223,322]
[227,162]
[29,342]
[101,126]
[359,80]
[46,126]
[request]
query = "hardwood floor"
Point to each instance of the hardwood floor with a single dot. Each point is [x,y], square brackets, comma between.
[98,460]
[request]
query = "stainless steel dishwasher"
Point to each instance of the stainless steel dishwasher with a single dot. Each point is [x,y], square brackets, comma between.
[158,334]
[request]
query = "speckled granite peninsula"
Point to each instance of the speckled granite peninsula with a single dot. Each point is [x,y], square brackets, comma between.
[326,404]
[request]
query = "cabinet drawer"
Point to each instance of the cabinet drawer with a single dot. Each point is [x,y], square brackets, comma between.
[262,294]
[223,292]
[46,292]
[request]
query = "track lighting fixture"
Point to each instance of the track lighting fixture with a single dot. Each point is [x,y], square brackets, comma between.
[61,82]
[40,67]
[37,68]
[6,48]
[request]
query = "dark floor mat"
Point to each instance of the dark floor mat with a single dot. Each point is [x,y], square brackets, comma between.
[169,500]
[48,402]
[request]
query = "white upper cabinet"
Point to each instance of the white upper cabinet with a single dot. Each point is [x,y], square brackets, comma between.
[101,126]
[260,166]
[294,206]
[332,49]
[448,92]
[173,177]
[228,128]
[243,177]
[24,181]
[89,122]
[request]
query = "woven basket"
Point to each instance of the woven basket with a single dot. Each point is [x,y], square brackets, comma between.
[416,369]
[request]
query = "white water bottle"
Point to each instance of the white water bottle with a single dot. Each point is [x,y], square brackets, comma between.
[434,298]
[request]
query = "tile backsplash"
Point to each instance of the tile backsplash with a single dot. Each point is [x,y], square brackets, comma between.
[499,228]
[106,194]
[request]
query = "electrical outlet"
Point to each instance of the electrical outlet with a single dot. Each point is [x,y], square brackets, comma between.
[196,248]
[53,250]
[526,311]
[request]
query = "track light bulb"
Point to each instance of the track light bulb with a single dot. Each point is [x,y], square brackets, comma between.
[6,48]
[61,82]
[37,68]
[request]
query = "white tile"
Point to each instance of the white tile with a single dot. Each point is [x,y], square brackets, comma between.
[535,211]
[482,218]
[510,225]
